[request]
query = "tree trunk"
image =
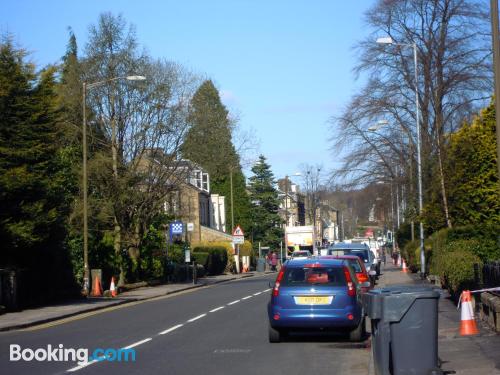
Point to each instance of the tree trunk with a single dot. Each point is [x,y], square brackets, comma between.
[443,187]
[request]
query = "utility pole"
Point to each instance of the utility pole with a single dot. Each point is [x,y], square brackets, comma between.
[286,211]
[496,65]
[232,202]
[86,283]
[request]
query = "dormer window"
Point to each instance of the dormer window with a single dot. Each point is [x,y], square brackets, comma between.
[201,180]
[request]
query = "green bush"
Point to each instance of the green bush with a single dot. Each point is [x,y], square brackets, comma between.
[176,253]
[179,272]
[409,254]
[217,258]
[201,258]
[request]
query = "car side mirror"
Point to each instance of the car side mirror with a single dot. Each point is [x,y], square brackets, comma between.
[372,273]
[366,284]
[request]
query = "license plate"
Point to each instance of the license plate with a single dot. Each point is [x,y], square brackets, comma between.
[313,300]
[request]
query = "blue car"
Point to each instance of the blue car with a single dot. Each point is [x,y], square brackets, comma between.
[313,294]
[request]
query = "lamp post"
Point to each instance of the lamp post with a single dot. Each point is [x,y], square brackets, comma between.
[389,40]
[496,64]
[86,87]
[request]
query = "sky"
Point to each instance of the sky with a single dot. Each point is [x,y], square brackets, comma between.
[282,67]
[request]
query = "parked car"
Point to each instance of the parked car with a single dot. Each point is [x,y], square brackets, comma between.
[301,254]
[359,268]
[316,294]
[361,250]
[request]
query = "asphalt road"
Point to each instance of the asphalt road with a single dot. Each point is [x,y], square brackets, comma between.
[221,329]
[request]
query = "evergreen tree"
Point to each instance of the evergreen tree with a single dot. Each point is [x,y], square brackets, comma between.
[208,143]
[473,179]
[33,193]
[266,222]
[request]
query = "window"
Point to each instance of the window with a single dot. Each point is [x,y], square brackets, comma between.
[306,276]
[205,184]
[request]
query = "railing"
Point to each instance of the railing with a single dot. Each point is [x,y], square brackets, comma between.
[487,276]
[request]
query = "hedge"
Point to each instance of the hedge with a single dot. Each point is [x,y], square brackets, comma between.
[454,251]
[217,258]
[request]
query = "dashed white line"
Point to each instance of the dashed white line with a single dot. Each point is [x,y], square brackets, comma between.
[232,303]
[196,318]
[217,309]
[101,358]
[171,329]
[82,366]
[138,343]
[247,297]
[256,294]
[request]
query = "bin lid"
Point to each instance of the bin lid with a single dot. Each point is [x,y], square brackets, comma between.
[391,303]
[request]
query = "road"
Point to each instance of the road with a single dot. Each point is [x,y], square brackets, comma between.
[221,329]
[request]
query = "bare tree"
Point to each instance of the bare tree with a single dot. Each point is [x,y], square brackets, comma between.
[138,128]
[453,45]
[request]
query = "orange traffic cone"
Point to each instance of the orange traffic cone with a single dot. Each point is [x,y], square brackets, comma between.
[97,289]
[404,267]
[112,287]
[467,323]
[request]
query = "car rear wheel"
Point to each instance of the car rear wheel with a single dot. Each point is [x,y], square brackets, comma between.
[275,335]
[358,333]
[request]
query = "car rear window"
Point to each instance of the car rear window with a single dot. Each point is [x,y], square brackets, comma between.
[355,265]
[363,254]
[306,276]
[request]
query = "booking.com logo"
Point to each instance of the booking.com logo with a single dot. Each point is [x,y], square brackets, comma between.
[61,354]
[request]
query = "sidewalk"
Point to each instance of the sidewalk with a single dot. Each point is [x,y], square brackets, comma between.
[31,317]
[465,355]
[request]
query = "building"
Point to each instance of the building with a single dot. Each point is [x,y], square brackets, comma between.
[190,201]
[292,203]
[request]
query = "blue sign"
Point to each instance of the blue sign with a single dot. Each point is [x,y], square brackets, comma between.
[176,228]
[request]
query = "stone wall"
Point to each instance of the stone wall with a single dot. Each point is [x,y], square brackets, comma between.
[490,310]
[212,235]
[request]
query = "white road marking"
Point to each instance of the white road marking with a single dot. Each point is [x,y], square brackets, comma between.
[82,366]
[247,297]
[171,329]
[196,318]
[256,294]
[102,358]
[232,303]
[138,343]
[217,309]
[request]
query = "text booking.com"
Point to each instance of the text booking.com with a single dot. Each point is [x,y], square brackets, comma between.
[61,354]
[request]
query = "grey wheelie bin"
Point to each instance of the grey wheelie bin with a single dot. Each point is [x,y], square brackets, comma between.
[404,323]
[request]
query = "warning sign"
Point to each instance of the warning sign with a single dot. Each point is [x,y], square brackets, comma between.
[238,231]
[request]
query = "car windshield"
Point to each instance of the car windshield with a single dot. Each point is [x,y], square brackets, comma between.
[306,276]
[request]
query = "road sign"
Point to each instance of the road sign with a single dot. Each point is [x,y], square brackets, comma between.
[238,235]
[190,227]
[238,239]
[176,227]
[238,231]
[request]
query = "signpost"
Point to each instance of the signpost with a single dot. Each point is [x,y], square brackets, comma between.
[238,238]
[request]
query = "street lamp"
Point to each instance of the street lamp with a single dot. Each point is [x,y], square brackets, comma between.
[86,87]
[389,40]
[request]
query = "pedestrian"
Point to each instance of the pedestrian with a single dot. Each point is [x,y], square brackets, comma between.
[274,261]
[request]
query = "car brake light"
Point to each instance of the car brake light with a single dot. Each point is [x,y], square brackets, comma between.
[351,290]
[362,277]
[276,289]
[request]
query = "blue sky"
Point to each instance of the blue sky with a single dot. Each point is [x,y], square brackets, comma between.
[283,66]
